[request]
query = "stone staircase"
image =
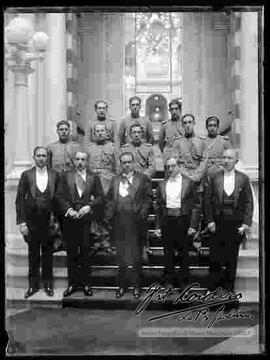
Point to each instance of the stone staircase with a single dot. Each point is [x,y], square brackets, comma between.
[104,270]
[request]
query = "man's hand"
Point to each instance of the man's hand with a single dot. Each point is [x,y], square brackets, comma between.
[72,214]
[243,229]
[83,211]
[24,229]
[212,227]
[191,231]
[158,232]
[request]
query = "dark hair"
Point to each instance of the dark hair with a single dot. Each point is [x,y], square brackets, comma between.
[177,102]
[135,98]
[126,153]
[210,118]
[188,115]
[133,126]
[40,147]
[62,122]
[101,101]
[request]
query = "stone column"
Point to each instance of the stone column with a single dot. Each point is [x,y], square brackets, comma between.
[55,70]
[249,93]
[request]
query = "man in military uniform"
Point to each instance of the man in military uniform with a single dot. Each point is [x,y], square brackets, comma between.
[189,149]
[143,152]
[171,129]
[60,159]
[101,108]
[214,146]
[103,162]
[135,118]
[61,151]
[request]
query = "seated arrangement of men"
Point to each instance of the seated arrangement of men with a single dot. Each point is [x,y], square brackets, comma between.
[103,183]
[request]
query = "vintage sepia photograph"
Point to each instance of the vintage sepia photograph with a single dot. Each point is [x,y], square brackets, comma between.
[133,182]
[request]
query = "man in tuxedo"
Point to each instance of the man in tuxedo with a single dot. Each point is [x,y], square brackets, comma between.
[178,213]
[127,208]
[228,213]
[60,159]
[80,199]
[34,204]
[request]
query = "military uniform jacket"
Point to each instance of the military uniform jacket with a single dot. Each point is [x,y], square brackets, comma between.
[169,132]
[102,158]
[213,148]
[124,127]
[61,155]
[144,157]
[190,153]
[111,130]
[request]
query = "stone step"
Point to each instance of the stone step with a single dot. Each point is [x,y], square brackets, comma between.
[247,279]
[154,241]
[247,258]
[101,299]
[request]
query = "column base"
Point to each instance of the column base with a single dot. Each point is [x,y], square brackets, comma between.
[18,168]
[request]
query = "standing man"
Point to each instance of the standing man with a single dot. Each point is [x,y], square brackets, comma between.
[228,212]
[61,159]
[103,162]
[178,212]
[134,117]
[34,204]
[143,152]
[80,199]
[189,149]
[61,151]
[214,146]
[127,208]
[171,129]
[101,108]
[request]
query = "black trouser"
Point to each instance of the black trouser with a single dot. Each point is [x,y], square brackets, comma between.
[76,235]
[174,234]
[37,238]
[134,276]
[224,248]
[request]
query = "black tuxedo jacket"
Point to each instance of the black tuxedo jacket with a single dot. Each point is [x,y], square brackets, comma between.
[190,203]
[140,192]
[25,199]
[92,195]
[243,199]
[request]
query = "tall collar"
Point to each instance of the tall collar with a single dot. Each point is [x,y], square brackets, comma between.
[41,171]
[230,173]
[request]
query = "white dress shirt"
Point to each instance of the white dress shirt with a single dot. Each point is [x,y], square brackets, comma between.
[123,187]
[82,174]
[41,178]
[173,192]
[229,181]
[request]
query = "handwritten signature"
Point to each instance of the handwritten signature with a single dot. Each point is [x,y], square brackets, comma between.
[218,297]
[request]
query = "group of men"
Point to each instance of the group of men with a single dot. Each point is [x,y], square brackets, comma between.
[106,181]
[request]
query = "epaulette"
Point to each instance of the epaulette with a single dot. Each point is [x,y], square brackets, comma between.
[201,137]
[125,145]
[147,144]
[225,137]
[164,122]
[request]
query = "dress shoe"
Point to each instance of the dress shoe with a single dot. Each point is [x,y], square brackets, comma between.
[119,292]
[31,291]
[70,290]
[49,291]
[87,290]
[136,293]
